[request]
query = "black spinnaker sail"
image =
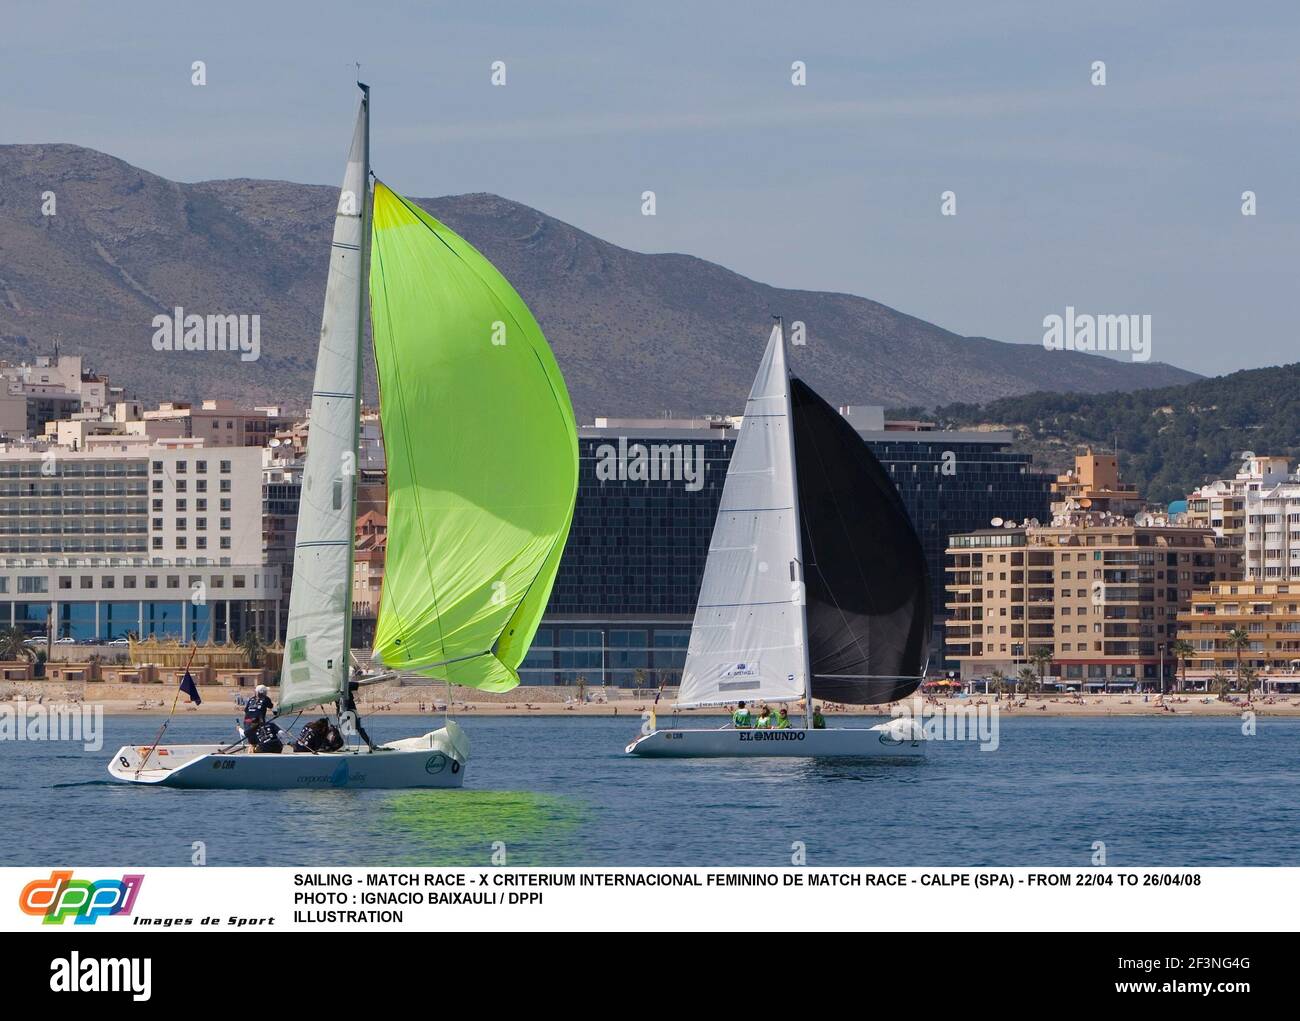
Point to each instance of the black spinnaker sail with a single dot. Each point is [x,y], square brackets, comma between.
[866,583]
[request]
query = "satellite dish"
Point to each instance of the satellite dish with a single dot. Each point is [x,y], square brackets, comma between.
[273,443]
[1143,519]
[996,522]
[1032,522]
[1085,502]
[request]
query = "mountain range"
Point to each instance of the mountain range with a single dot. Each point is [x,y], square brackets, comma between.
[635,334]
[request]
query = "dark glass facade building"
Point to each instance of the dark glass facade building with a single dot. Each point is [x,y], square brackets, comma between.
[621,609]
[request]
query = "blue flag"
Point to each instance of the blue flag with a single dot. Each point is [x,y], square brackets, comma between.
[190,688]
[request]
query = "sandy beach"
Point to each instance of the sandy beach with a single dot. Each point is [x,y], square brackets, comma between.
[428,700]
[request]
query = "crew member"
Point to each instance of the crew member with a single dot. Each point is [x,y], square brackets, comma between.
[782,721]
[349,705]
[742,718]
[267,738]
[819,721]
[255,710]
[319,736]
[764,720]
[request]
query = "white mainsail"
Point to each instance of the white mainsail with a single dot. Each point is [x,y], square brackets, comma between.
[315,669]
[747,640]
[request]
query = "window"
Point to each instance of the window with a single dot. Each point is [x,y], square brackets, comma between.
[225,467]
[225,524]
[180,542]
[225,485]
[158,505]
[200,466]
[107,581]
[157,466]
[65,581]
[128,581]
[225,542]
[180,486]
[157,542]
[201,542]
[151,581]
[201,524]
[30,584]
[225,505]
[200,505]
[87,581]
[182,467]
[181,506]
[173,581]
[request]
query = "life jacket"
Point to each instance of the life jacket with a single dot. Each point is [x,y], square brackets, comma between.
[763,723]
[781,722]
[267,738]
[742,718]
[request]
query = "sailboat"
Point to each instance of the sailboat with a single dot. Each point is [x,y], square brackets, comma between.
[815,586]
[482,452]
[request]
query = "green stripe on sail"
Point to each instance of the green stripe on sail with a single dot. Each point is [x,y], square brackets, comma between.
[482,453]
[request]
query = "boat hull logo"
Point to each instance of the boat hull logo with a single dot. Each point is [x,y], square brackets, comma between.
[435,764]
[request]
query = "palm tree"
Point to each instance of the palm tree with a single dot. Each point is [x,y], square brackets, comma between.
[1221,683]
[12,645]
[251,642]
[1183,651]
[1248,675]
[1238,639]
[1027,678]
[999,680]
[1042,657]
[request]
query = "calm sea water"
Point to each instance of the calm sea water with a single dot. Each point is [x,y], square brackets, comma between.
[558,791]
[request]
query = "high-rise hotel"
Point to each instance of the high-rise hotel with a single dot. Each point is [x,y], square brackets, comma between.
[131,534]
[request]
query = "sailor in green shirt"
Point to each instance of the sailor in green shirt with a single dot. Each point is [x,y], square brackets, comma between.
[742,719]
[764,720]
[782,721]
[819,721]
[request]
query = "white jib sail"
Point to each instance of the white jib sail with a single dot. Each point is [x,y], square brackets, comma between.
[747,640]
[315,669]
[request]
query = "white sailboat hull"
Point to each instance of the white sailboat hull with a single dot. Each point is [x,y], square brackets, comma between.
[425,762]
[899,738]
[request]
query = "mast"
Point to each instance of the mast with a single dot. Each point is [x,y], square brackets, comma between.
[798,538]
[356,417]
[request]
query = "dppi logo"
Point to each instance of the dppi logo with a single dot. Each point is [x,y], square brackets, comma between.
[61,897]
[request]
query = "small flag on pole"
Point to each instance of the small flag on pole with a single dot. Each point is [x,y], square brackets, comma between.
[190,688]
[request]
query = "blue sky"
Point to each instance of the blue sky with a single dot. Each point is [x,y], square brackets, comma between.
[1119,199]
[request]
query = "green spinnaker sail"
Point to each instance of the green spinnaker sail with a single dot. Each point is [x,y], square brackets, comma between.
[482,452]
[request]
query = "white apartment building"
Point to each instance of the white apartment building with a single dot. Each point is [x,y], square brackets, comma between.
[130,534]
[1271,550]
[1257,512]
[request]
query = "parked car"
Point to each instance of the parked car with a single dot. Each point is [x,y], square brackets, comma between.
[119,642]
[65,641]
